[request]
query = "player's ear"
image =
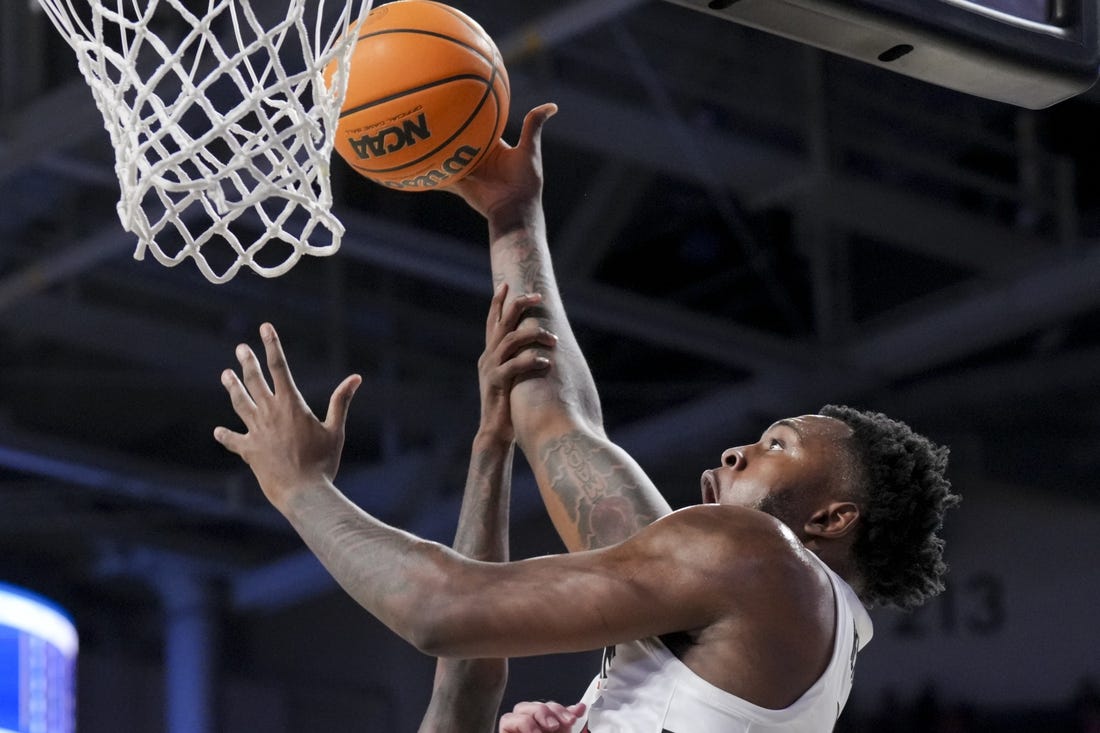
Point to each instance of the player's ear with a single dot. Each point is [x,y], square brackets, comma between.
[834,520]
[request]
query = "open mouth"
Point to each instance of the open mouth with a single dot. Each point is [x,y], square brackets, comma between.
[709,487]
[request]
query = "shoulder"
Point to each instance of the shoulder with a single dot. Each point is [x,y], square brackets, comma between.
[735,528]
[749,551]
[770,601]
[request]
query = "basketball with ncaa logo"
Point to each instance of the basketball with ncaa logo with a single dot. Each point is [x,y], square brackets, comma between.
[427,96]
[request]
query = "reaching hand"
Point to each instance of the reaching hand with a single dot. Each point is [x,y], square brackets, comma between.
[508,175]
[540,717]
[286,446]
[508,356]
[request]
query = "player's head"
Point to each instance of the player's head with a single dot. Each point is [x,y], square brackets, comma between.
[852,482]
[797,464]
[899,483]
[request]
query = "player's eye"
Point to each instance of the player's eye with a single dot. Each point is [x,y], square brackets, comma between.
[775,444]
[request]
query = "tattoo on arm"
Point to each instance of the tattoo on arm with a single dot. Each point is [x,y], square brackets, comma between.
[370,560]
[597,490]
[526,266]
[482,532]
[523,264]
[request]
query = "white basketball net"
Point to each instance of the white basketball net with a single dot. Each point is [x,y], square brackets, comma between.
[222,123]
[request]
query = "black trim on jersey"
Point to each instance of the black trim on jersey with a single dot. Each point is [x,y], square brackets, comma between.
[605,662]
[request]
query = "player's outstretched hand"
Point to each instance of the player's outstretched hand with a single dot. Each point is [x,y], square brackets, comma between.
[540,717]
[512,352]
[508,175]
[286,446]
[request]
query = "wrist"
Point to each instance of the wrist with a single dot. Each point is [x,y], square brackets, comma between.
[287,496]
[515,216]
[489,439]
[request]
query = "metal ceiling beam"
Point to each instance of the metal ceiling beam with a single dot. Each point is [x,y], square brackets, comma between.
[191,355]
[22,61]
[603,125]
[139,338]
[697,334]
[902,218]
[436,258]
[106,244]
[1057,291]
[993,388]
[729,210]
[606,203]
[125,477]
[925,226]
[560,25]
[146,339]
[455,263]
[826,251]
[995,313]
[444,259]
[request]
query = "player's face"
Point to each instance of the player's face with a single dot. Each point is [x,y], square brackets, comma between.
[785,472]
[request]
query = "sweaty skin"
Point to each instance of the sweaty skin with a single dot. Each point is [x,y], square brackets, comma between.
[748,608]
[597,495]
[736,578]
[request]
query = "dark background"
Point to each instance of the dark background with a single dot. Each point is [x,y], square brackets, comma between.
[743,228]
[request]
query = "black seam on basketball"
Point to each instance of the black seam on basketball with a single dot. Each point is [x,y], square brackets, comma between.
[501,122]
[411,90]
[469,22]
[461,128]
[420,32]
[492,138]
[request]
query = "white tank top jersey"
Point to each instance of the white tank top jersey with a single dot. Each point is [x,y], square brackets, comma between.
[644,688]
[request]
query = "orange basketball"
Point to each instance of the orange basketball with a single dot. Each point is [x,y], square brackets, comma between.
[427,96]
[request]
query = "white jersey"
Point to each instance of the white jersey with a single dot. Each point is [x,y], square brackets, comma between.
[646,689]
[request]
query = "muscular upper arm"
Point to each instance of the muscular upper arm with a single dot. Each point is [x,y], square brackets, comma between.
[688,571]
[596,494]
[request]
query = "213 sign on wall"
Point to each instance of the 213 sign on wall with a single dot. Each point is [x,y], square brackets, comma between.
[973,605]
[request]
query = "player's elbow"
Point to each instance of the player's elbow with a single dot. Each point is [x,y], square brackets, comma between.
[419,610]
[455,626]
[432,645]
[425,639]
[434,632]
[440,623]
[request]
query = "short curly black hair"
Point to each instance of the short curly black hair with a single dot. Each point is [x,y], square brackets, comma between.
[904,494]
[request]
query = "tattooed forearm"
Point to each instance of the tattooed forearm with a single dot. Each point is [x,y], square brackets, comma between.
[482,531]
[389,572]
[599,493]
[523,260]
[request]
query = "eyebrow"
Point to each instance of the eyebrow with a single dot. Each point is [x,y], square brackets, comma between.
[788,423]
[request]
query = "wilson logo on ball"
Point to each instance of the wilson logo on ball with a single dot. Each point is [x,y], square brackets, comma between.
[391,139]
[452,166]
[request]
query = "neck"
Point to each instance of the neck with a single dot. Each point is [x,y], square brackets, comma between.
[840,561]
